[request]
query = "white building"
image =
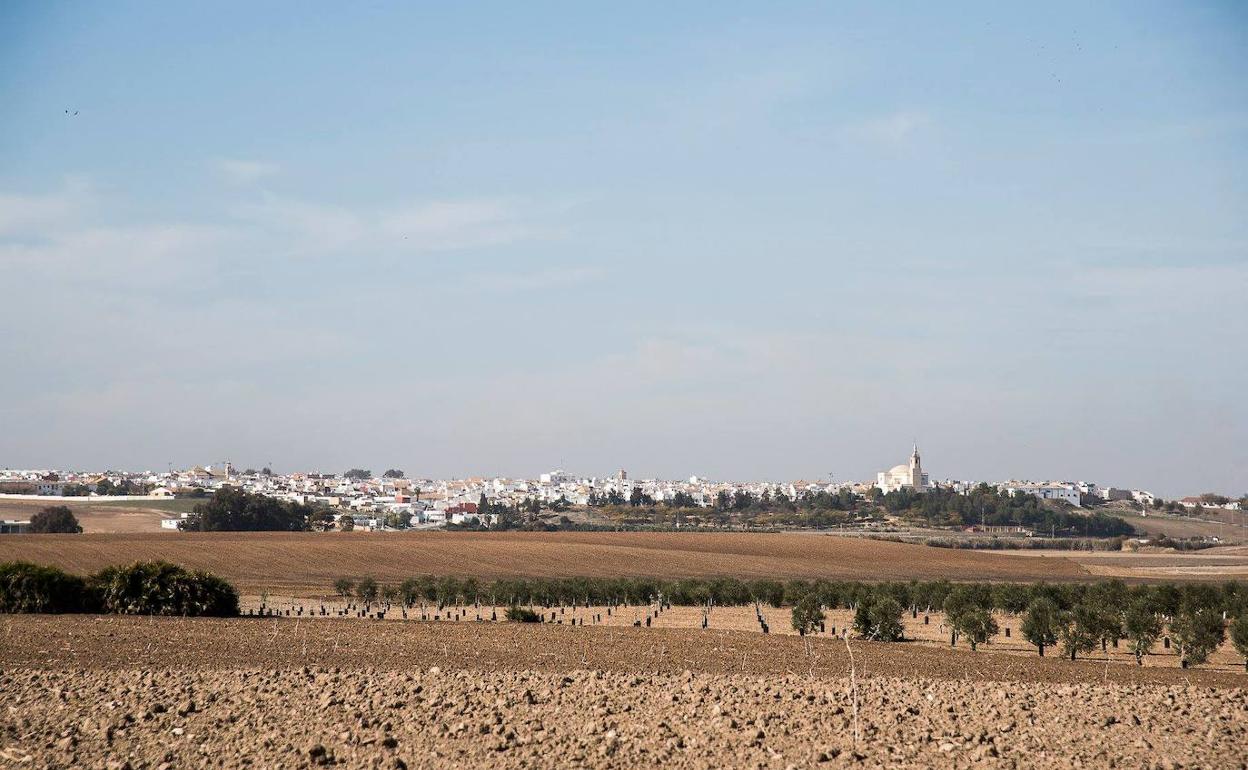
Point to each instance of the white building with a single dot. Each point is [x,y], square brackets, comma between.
[909,476]
[556,477]
[1053,490]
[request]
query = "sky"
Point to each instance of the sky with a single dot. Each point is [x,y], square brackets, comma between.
[743,241]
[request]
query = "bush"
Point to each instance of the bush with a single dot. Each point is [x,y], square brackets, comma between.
[160,588]
[517,614]
[56,518]
[26,587]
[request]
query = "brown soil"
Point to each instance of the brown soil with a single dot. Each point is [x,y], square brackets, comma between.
[926,629]
[309,562]
[116,692]
[95,517]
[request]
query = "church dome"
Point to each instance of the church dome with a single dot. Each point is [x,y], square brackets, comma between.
[899,469]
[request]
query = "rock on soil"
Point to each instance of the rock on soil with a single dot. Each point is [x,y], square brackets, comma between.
[319,717]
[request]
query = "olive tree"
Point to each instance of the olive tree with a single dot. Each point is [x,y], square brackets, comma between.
[1239,637]
[1198,633]
[879,619]
[366,589]
[807,614]
[1041,623]
[977,624]
[1143,627]
[1079,630]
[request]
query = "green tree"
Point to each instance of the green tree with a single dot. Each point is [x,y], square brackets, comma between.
[1079,630]
[807,614]
[346,523]
[879,618]
[1239,637]
[393,473]
[398,519]
[1041,623]
[344,586]
[232,509]
[56,518]
[978,625]
[1198,633]
[1142,626]
[358,474]
[366,589]
[1106,601]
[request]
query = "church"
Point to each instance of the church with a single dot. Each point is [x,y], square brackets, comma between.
[909,476]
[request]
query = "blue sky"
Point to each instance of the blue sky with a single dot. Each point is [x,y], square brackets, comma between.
[735,240]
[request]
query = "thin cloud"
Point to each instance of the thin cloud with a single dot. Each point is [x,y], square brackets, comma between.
[22,214]
[539,280]
[415,226]
[896,129]
[243,172]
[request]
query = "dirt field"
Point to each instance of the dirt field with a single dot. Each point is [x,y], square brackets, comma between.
[1224,563]
[103,517]
[86,691]
[921,629]
[1229,526]
[309,562]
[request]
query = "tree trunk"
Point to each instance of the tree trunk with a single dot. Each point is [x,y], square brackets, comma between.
[1041,646]
[1072,653]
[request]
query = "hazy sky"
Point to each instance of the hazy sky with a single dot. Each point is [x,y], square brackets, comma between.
[742,241]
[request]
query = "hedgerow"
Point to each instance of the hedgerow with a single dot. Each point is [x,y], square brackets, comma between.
[142,588]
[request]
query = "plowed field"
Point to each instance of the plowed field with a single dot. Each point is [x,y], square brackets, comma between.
[142,693]
[309,562]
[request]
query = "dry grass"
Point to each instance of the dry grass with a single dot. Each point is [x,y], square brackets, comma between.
[99,516]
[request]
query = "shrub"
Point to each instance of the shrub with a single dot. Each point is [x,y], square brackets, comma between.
[56,518]
[160,588]
[344,586]
[26,587]
[518,614]
[807,614]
